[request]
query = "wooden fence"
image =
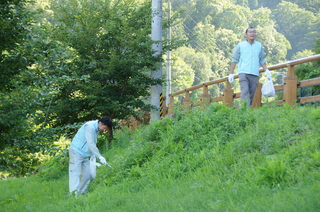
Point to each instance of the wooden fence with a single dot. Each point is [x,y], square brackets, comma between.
[289,88]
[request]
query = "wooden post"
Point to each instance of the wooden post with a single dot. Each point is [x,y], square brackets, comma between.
[146,117]
[133,123]
[187,101]
[205,97]
[228,95]
[171,105]
[256,103]
[290,87]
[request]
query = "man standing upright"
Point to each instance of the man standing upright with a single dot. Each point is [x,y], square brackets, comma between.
[249,55]
[84,145]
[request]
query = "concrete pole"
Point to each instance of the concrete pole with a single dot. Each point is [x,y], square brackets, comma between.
[156,35]
[168,90]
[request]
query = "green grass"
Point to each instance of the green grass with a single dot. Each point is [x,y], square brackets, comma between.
[218,159]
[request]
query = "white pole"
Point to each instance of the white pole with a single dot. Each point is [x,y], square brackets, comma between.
[156,35]
[168,90]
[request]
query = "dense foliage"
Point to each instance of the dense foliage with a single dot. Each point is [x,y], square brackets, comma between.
[15,20]
[285,28]
[82,60]
[309,71]
[111,73]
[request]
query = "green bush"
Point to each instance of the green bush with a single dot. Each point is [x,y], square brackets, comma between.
[55,167]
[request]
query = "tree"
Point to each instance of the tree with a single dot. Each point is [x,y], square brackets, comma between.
[270,4]
[310,5]
[18,96]
[233,17]
[182,74]
[198,61]
[226,41]
[298,26]
[111,73]
[14,21]
[275,44]
[308,70]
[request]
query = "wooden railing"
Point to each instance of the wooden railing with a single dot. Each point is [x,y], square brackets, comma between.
[289,87]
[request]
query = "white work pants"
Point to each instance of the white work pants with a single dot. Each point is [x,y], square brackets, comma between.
[79,172]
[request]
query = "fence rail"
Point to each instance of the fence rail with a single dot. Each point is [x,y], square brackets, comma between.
[289,87]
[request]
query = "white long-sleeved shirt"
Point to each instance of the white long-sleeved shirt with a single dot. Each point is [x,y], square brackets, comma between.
[84,142]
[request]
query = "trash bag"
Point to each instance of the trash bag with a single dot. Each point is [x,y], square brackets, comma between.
[93,167]
[268,88]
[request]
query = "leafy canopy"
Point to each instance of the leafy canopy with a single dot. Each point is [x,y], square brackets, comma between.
[110,74]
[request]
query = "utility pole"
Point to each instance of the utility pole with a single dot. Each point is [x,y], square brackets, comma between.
[156,35]
[168,90]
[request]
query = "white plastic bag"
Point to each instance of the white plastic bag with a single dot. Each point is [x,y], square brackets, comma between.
[93,167]
[268,88]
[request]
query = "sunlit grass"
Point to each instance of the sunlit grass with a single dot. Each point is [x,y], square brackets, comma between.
[219,159]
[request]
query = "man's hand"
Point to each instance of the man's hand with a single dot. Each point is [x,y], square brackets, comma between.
[268,74]
[230,78]
[102,160]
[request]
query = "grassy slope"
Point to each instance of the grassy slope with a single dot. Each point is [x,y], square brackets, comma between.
[219,159]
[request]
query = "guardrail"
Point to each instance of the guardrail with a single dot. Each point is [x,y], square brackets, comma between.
[289,87]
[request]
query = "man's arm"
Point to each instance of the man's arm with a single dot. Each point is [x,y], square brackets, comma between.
[235,58]
[264,66]
[232,67]
[266,70]
[91,140]
[262,58]
[234,61]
